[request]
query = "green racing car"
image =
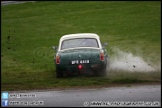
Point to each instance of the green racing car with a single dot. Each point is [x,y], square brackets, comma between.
[80,53]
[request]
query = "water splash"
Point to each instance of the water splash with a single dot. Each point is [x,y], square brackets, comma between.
[123,61]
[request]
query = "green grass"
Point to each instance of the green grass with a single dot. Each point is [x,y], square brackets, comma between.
[29,30]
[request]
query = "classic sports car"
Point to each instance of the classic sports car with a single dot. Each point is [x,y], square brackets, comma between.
[80,53]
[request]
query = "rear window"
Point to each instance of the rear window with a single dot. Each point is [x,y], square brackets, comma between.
[79,42]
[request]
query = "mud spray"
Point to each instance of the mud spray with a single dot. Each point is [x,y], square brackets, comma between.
[123,61]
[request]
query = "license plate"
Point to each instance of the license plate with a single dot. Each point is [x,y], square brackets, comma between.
[79,61]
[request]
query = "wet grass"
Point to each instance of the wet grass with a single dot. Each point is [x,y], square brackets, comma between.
[29,30]
[33,80]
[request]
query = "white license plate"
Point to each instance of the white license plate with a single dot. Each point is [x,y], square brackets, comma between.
[79,61]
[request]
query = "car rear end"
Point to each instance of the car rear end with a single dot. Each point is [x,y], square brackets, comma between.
[84,61]
[80,54]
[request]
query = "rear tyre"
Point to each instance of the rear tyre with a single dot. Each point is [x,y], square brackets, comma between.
[103,73]
[59,74]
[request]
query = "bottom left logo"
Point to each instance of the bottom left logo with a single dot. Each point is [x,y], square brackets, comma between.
[4,102]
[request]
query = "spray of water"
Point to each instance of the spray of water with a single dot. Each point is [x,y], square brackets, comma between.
[122,61]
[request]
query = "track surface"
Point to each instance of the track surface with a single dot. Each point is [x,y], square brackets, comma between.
[145,95]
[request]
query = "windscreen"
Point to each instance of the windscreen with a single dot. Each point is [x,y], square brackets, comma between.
[79,42]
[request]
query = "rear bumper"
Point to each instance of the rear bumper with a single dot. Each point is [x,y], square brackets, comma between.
[86,68]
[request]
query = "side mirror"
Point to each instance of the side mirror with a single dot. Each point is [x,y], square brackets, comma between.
[105,44]
[54,47]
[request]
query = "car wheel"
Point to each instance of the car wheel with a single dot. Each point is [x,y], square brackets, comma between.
[103,72]
[108,66]
[59,74]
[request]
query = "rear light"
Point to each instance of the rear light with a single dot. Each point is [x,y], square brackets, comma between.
[80,66]
[57,59]
[102,56]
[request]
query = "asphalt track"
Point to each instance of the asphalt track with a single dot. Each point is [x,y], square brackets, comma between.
[13,2]
[143,95]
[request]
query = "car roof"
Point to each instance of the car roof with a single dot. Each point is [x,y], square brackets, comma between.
[80,35]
